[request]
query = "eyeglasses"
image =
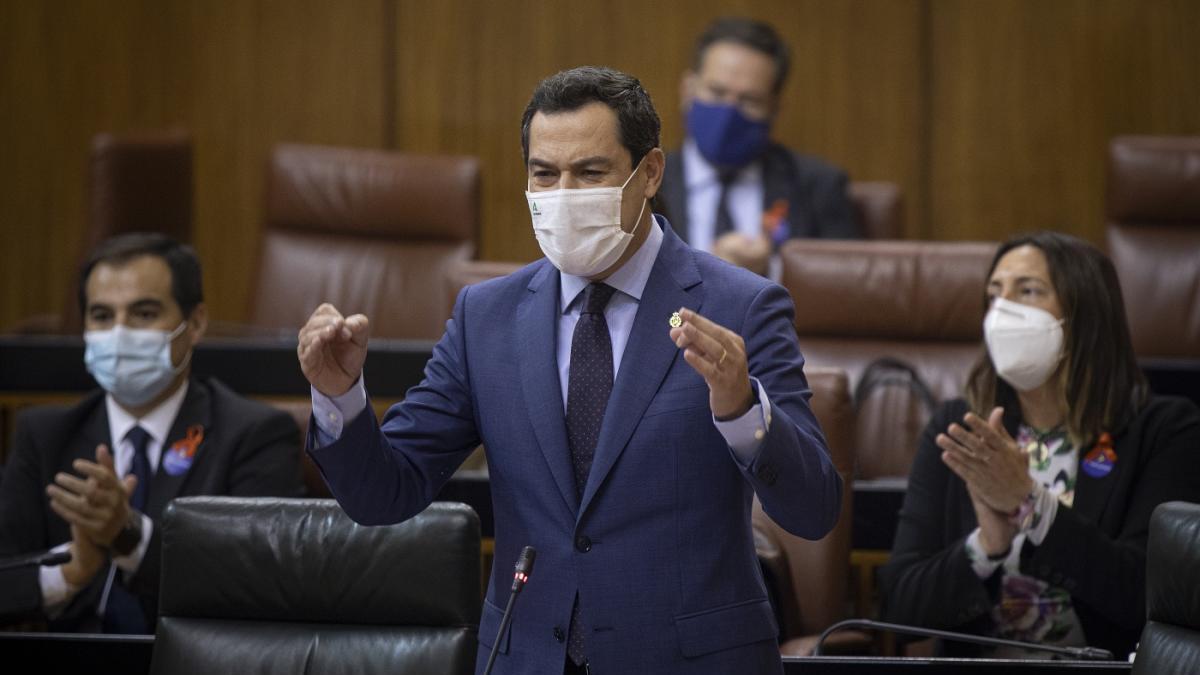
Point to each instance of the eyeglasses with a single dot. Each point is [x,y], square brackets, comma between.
[752,106]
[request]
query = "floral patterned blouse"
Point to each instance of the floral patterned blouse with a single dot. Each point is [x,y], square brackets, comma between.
[1032,610]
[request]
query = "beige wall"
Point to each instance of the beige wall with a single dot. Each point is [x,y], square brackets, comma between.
[992,115]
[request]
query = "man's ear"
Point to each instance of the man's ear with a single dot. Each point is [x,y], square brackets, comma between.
[653,165]
[198,322]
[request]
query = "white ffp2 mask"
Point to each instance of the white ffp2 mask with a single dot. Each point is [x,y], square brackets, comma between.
[579,229]
[1025,343]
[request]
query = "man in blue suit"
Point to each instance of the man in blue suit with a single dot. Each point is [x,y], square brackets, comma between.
[633,395]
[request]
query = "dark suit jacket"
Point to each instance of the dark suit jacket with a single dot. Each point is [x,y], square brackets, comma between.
[248,449]
[1095,550]
[658,547]
[814,191]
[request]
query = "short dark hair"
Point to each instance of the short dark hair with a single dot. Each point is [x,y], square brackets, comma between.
[757,35]
[181,259]
[1104,386]
[637,121]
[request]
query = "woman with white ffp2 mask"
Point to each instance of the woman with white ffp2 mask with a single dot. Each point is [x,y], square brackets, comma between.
[1029,499]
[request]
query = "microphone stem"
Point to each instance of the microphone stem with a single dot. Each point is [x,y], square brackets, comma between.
[1079,653]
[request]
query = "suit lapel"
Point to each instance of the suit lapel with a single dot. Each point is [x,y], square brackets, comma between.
[648,355]
[537,337]
[94,431]
[196,411]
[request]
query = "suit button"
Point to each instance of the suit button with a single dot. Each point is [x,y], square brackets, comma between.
[583,544]
[558,634]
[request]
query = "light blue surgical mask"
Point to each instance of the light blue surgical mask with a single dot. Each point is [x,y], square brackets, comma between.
[133,364]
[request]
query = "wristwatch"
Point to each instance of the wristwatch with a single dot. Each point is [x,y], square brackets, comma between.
[129,537]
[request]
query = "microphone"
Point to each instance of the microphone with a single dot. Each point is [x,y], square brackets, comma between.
[520,576]
[1080,653]
[47,558]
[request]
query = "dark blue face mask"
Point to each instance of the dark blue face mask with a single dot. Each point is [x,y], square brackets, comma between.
[724,135]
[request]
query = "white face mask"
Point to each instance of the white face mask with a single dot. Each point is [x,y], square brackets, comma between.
[132,364]
[1025,343]
[579,229]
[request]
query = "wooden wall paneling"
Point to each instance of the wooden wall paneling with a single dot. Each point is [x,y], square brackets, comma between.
[856,93]
[1026,95]
[262,73]
[998,110]
[240,75]
[69,70]
[465,71]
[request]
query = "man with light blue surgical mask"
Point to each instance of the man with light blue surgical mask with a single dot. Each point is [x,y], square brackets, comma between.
[729,189]
[93,479]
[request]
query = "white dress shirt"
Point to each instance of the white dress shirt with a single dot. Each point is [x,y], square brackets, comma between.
[745,199]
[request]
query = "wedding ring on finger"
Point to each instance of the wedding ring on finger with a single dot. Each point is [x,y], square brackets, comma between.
[724,353]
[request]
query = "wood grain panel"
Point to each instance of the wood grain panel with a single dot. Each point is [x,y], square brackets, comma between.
[992,115]
[1026,95]
[240,75]
[466,93]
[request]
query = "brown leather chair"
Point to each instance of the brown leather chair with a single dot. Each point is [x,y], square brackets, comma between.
[141,182]
[469,272]
[919,302]
[1153,212]
[879,207]
[370,231]
[809,579]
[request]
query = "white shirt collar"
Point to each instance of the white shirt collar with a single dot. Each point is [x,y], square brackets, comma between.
[699,173]
[630,278]
[157,422]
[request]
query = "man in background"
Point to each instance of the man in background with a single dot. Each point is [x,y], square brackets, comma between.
[729,189]
[93,479]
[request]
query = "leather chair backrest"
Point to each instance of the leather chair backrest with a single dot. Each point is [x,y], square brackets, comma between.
[1170,642]
[138,182]
[1153,212]
[370,231]
[812,576]
[469,272]
[141,182]
[917,301]
[879,207]
[261,585]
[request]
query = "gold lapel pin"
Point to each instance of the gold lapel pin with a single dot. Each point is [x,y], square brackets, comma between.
[675,321]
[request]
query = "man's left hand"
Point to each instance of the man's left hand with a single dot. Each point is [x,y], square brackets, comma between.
[96,502]
[719,355]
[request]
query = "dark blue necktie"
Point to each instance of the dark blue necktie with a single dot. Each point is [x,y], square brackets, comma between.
[589,383]
[140,466]
[122,611]
[724,221]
